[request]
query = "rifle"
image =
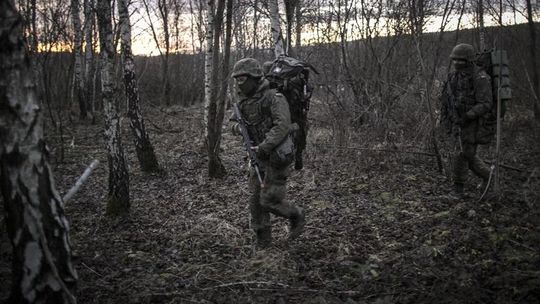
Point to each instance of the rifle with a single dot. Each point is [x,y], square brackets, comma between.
[248,143]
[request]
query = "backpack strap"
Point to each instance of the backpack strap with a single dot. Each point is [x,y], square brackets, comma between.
[265,104]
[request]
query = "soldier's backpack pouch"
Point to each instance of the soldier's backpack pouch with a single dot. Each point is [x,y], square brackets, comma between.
[283,154]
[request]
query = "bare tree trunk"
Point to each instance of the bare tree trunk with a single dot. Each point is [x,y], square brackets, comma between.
[213,129]
[534,64]
[342,24]
[89,58]
[208,68]
[255,27]
[225,67]
[37,227]
[77,51]
[143,146]
[192,24]
[481,29]
[275,23]
[298,39]
[35,42]
[290,7]
[118,200]
[200,29]
[164,12]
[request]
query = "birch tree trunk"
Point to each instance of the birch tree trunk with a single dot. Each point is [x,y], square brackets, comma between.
[275,27]
[213,127]
[290,10]
[208,68]
[118,198]
[225,66]
[143,146]
[77,50]
[481,29]
[89,58]
[37,227]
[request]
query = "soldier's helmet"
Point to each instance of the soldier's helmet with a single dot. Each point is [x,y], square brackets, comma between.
[247,66]
[463,51]
[267,65]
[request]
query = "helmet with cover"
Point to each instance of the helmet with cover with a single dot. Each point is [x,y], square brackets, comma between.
[463,51]
[247,66]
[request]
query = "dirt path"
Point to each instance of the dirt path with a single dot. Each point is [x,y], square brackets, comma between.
[381,228]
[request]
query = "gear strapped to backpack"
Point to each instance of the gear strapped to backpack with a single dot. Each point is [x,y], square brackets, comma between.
[495,64]
[291,78]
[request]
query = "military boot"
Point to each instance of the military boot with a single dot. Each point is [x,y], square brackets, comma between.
[297,222]
[264,237]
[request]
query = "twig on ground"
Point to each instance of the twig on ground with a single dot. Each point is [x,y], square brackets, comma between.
[92,270]
[246,283]
[522,245]
[81,180]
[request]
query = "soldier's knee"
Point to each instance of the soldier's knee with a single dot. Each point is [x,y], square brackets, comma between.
[273,195]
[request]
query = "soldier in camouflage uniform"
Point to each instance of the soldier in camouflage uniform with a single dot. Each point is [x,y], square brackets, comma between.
[466,99]
[268,121]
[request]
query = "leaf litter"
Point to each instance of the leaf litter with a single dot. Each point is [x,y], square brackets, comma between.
[381,229]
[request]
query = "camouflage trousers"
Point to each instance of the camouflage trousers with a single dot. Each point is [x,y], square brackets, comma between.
[467,159]
[270,199]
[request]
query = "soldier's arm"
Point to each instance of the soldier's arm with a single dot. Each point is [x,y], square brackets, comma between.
[281,118]
[483,96]
[235,126]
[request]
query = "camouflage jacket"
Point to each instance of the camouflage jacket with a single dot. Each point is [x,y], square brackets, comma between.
[466,99]
[267,116]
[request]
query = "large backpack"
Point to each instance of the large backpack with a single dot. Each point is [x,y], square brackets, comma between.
[495,63]
[291,77]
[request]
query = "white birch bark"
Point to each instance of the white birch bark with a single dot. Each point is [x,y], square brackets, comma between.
[88,28]
[118,200]
[208,69]
[37,227]
[212,88]
[77,51]
[275,27]
[143,146]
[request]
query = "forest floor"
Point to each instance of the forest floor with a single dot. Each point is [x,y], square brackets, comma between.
[382,226]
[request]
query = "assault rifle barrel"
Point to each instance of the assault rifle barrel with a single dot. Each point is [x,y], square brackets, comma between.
[247,143]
